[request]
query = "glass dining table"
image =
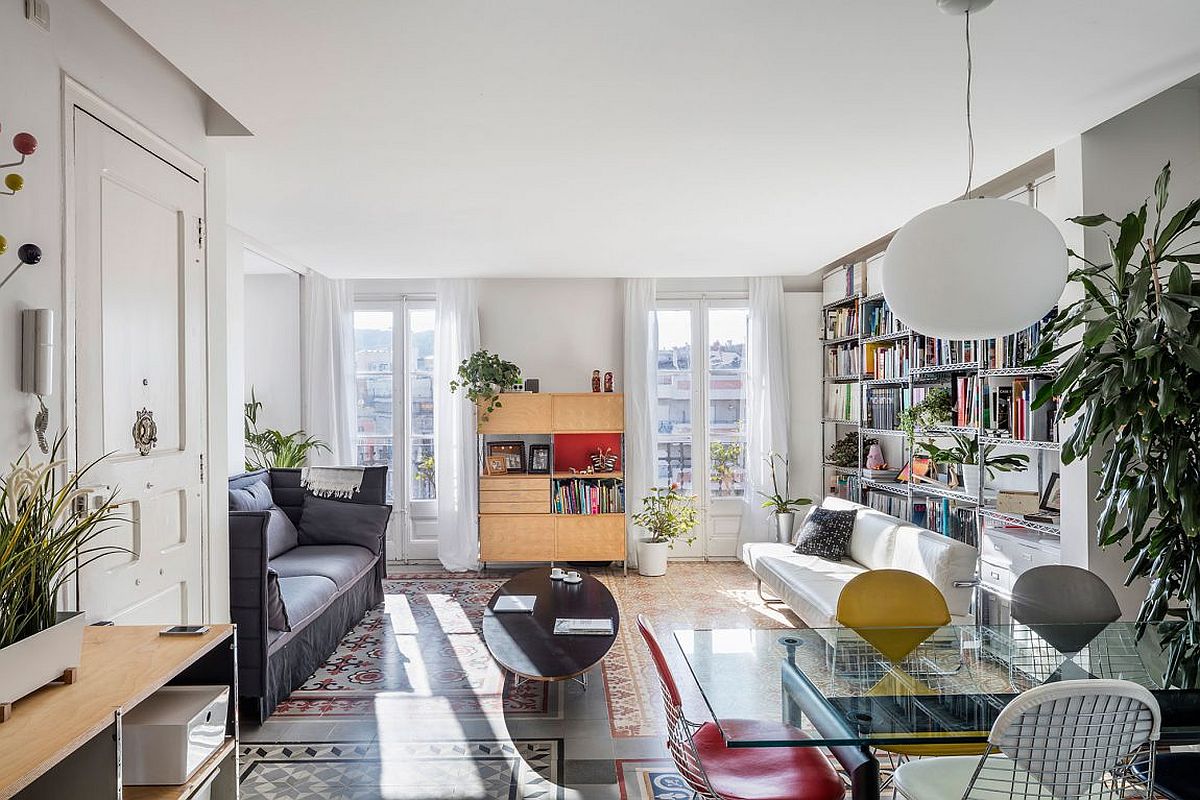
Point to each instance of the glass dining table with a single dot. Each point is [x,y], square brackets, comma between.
[922,689]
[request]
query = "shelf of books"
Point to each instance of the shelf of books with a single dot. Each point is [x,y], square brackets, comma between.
[874,369]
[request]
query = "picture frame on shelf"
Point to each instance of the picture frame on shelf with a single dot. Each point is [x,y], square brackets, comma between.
[513,453]
[497,465]
[916,469]
[1050,500]
[539,459]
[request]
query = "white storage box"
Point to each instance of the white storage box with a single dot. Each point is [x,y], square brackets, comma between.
[169,734]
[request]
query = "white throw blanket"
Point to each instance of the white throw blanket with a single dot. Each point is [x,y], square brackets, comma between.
[340,482]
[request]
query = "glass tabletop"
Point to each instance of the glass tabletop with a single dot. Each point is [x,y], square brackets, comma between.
[909,686]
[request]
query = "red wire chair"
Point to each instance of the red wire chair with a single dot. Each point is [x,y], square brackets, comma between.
[717,772]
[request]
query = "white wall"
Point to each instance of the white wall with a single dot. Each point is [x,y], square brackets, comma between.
[96,49]
[804,382]
[1111,169]
[272,348]
[557,331]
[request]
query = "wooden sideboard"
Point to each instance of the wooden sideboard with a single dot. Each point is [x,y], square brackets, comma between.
[518,521]
[64,741]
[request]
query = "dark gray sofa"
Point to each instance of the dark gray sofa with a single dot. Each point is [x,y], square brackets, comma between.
[325,577]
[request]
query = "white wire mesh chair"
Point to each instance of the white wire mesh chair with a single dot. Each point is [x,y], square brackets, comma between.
[1072,740]
[714,771]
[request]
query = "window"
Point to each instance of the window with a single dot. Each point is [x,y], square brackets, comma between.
[389,391]
[701,405]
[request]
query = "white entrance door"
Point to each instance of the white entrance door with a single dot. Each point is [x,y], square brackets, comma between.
[140,345]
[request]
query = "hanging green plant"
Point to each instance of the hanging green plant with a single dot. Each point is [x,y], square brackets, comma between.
[483,377]
[1132,380]
[937,407]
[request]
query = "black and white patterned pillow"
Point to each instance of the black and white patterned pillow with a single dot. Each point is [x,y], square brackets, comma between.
[826,534]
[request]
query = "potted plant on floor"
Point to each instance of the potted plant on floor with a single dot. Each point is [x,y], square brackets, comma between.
[483,377]
[46,536]
[966,453]
[1131,381]
[781,503]
[667,514]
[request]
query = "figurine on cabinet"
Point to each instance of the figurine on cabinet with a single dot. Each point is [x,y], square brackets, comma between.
[595,380]
[608,382]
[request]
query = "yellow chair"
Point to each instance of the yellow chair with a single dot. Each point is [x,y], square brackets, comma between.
[895,611]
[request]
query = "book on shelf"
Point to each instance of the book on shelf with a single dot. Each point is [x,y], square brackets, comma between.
[841,401]
[891,504]
[878,320]
[1014,350]
[946,516]
[842,321]
[515,603]
[929,351]
[1008,410]
[886,359]
[842,360]
[882,475]
[588,494]
[845,281]
[884,405]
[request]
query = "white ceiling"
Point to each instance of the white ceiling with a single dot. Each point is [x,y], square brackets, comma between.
[637,137]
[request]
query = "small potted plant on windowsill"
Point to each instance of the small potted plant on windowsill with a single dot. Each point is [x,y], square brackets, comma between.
[781,503]
[483,377]
[667,514]
[966,453]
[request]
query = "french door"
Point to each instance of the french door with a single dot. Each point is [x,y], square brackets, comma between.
[394,345]
[701,415]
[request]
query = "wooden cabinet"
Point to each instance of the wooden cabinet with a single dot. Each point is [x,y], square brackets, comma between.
[516,522]
[516,537]
[519,413]
[589,538]
[587,412]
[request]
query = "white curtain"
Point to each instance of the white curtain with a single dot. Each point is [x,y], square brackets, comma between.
[327,403]
[640,387]
[456,338]
[767,398]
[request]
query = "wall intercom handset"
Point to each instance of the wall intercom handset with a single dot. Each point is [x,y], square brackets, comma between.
[37,364]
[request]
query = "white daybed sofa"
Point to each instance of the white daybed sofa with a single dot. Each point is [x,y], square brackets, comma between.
[810,586]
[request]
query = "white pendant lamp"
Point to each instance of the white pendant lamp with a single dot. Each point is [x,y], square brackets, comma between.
[974,269]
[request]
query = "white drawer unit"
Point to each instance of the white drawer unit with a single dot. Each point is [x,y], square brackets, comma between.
[1005,556]
[169,734]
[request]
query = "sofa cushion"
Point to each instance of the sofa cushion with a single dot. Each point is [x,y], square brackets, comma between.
[255,497]
[826,534]
[333,522]
[281,533]
[940,559]
[340,563]
[304,596]
[277,618]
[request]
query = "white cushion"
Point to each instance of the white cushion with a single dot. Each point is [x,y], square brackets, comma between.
[873,539]
[940,559]
[947,777]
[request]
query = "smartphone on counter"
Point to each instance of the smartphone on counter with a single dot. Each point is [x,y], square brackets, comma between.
[184,630]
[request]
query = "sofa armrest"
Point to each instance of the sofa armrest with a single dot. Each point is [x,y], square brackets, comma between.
[248,597]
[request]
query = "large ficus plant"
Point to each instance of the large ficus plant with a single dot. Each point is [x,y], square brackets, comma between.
[1133,378]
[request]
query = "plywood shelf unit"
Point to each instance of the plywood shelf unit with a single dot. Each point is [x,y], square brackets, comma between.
[62,741]
[517,521]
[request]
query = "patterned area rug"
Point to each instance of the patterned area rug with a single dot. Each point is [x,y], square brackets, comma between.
[421,654]
[476,770]
[651,779]
[691,595]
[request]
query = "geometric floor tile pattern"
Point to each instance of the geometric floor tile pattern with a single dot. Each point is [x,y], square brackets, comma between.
[412,706]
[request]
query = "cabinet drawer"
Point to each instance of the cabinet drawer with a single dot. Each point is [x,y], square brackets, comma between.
[509,507]
[996,577]
[533,495]
[514,537]
[588,412]
[584,538]
[518,413]
[491,484]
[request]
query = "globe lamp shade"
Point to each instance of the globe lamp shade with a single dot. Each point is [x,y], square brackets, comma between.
[975,269]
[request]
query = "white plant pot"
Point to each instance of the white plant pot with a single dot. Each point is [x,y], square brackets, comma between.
[970,473]
[785,522]
[31,663]
[652,558]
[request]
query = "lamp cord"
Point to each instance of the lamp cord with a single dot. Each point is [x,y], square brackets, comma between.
[970,131]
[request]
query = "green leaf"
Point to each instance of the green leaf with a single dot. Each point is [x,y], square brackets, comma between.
[1160,188]
[1181,279]
[1191,356]
[1177,316]
[1099,332]
[1179,223]
[1186,258]
[1132,228]
[1090,221]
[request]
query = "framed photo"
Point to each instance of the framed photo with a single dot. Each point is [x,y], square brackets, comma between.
[918,468]
[513,452]
[539,459]
[497,465]
[1050,496]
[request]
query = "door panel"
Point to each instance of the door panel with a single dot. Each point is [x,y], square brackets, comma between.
[139,344]
[588,412]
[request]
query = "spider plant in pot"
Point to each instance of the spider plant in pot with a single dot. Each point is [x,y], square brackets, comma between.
[483,377]
[782,504]
[966,453]
[48,533]
[667,515]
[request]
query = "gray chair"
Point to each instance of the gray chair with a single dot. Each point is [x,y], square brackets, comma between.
[1067,606]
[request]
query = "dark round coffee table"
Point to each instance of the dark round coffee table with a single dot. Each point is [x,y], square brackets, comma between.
[525,644]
